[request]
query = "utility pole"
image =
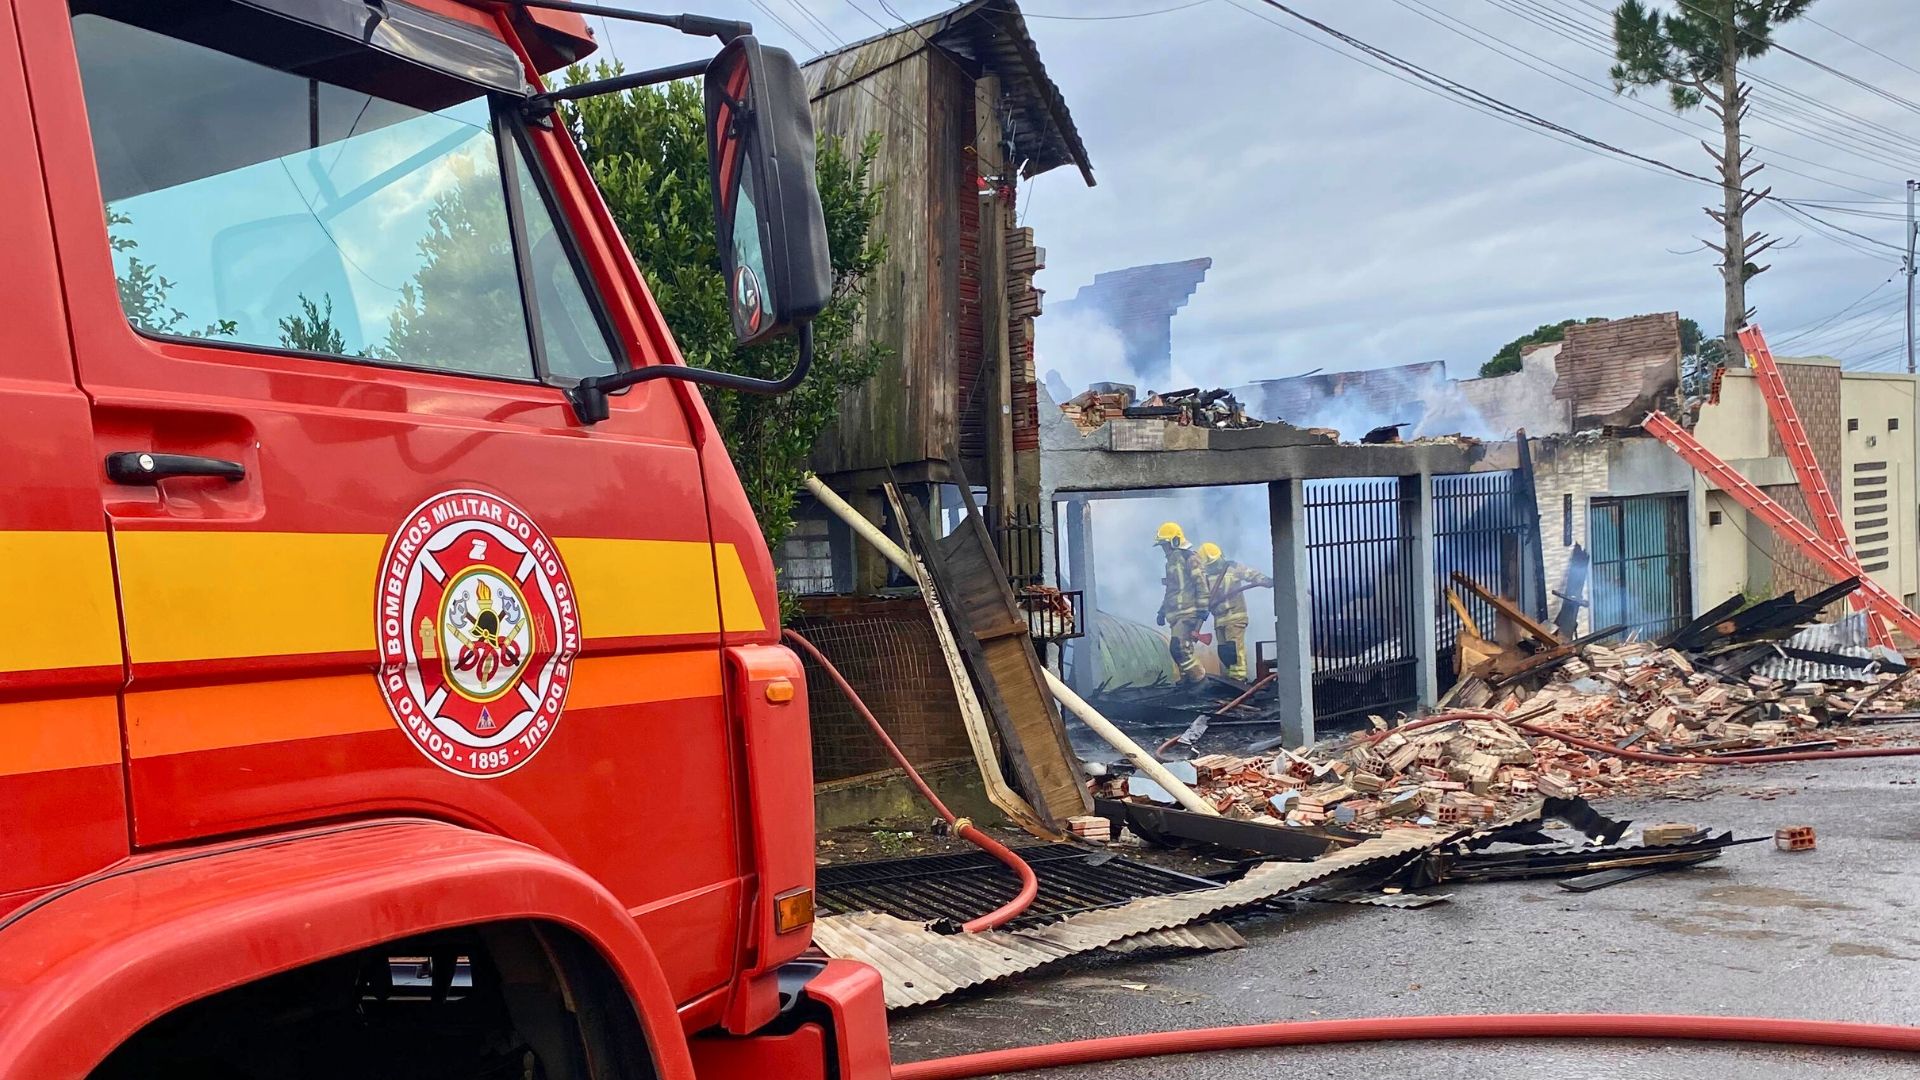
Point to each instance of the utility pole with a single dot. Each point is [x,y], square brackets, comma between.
[1912,231]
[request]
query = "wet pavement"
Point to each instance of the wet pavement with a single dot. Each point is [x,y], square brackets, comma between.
[1830,934]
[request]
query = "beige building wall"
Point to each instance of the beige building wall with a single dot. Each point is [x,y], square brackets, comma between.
[1877,489]
[1866,423]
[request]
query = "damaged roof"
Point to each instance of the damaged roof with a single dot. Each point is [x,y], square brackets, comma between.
[1615,372]
[992,35]
[1398,392]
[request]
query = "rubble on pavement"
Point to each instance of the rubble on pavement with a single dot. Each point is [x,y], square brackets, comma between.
[1465,771]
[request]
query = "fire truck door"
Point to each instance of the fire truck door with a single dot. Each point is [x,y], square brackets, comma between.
[60,662]
[368,561]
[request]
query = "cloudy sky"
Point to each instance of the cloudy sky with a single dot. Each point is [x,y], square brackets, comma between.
[1355,220]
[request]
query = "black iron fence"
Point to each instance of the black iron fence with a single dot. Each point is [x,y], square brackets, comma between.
[1480,530]
[1020,539]
[1361,599]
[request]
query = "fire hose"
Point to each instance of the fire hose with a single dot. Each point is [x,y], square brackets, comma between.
[1644,755]
[963,828]
[1751,1029]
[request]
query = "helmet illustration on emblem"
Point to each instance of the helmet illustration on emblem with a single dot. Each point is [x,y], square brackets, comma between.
[478,631]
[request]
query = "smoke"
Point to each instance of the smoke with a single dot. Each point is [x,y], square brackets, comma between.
[1075,349]
[1355,402]
[1080,348]
[1128,568]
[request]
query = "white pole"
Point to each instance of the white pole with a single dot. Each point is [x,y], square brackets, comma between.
[1087,714]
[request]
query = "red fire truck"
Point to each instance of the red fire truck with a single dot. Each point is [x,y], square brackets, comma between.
[394,685]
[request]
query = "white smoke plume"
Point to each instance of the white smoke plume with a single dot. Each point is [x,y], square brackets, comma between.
[1128,567]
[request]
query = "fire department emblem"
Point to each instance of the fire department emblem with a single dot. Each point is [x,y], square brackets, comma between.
[478,632]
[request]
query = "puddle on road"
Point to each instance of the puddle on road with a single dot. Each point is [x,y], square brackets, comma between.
[1768,896]
[1692,928]
[1854,948]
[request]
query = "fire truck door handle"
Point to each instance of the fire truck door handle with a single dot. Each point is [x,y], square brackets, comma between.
[142,467]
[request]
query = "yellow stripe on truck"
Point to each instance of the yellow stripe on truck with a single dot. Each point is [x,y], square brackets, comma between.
[61,583]
[207,595]
[643,588]
[200,595]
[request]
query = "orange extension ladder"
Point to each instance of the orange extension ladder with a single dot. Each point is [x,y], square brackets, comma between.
[1806,468]
[1726,478]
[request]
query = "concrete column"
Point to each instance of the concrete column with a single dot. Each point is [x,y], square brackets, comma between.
[1293,632]
[1086,658]
[1416,529]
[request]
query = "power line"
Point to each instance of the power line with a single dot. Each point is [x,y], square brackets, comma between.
[1115,18]
[1591,37]
[1802,331]
[1484,102]
[807,14]
[1605,93]
[1860,43]
[1795,209]
[1877,91]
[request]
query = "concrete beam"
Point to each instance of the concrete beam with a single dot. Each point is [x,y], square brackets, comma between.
[1115,470]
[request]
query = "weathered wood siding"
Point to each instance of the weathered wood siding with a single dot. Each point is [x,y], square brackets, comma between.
[905,413]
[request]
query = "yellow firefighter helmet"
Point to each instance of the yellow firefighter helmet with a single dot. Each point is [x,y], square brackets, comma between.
[1209,552]
[1170,533]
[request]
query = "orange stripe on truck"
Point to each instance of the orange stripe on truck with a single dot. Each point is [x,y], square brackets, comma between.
[62,733]
[227,715]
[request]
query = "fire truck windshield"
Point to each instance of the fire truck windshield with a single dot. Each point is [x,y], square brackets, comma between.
[248,205]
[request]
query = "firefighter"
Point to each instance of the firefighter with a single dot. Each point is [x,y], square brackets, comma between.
[1184,607]
[1226,584]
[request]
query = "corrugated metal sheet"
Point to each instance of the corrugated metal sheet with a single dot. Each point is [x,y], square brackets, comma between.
[1848,637]
[1209,937]
[1390,900]
[918,966]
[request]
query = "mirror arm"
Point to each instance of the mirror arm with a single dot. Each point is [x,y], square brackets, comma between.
[540,106]
[589,396]
[695,25]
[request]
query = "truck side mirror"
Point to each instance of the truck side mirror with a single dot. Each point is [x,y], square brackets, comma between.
[766,203]
[767,217]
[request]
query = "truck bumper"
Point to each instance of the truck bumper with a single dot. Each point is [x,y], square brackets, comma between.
[832,1026]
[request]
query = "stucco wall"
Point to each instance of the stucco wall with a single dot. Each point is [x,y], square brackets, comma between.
[1522,399]
[1877,455]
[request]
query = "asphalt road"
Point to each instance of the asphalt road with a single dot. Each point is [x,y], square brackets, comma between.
[1829,934]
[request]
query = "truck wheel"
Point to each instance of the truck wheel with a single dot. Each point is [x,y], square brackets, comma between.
[500,1002]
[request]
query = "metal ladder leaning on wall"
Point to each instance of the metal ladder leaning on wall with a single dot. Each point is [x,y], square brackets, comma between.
[1806,468]
[1792,529]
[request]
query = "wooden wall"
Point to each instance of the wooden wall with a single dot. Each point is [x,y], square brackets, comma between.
[903,415]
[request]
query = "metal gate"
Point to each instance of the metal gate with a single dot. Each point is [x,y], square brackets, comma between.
[1481,530]
[1642,576]
[1361,600]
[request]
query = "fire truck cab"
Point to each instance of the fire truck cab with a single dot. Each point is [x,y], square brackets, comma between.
[394,686]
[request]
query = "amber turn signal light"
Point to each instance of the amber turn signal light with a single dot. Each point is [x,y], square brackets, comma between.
[779,692]
[792,911]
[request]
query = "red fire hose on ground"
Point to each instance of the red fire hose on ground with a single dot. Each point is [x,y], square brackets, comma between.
[1029,885]
[1750,1029]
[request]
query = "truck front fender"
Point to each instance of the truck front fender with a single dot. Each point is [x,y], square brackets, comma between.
[87,965]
